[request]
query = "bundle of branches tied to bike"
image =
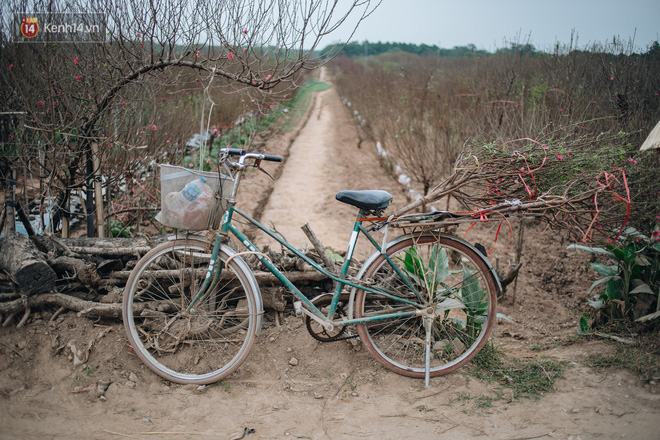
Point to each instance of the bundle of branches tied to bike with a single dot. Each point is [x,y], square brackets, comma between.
[572,185]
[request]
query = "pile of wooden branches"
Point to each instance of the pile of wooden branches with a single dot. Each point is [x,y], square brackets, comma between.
[579,186]
[88,275]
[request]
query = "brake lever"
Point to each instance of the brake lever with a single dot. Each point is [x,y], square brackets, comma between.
[263,171]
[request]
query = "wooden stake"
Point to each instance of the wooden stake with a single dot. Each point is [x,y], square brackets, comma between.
[518,257]
[10,203]
[98,189]
[65,216]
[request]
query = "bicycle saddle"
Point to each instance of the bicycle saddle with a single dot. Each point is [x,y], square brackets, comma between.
[368,200]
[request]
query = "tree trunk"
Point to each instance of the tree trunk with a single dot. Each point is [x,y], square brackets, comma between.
[25,265]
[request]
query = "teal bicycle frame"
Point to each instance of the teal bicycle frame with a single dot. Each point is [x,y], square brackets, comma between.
[342,281]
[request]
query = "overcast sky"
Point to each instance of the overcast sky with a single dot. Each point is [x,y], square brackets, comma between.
[489,24]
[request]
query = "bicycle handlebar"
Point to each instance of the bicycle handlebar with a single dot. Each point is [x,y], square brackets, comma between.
[245,155]
[271,158]
[234,151]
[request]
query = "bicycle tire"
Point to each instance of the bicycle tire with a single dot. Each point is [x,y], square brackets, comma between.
[190,345]
[453,279]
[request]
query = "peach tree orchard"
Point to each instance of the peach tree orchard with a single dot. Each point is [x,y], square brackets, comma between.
[74,111]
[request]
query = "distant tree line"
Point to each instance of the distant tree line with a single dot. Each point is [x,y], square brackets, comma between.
[366,48]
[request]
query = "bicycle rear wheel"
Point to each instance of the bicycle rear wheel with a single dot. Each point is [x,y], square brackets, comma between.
[451,287]
[182,341]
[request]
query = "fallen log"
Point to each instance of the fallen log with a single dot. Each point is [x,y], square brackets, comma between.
[25,265]
[273,300]
[83,270]
[110,247]
[81,306]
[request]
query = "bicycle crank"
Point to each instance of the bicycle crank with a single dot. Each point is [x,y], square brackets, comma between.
[318,328]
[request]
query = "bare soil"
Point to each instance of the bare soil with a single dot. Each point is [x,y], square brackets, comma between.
[334,390]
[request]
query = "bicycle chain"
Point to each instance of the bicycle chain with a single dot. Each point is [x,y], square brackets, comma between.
[345,338]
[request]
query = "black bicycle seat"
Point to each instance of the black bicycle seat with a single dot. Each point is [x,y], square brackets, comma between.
[368,199]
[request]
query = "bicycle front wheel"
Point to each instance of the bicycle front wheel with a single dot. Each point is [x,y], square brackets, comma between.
[445,295]
[182,334]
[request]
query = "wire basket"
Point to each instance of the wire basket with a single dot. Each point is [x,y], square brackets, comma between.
[192,200]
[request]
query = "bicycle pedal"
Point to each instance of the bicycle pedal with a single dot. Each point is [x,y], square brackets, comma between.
[297,308]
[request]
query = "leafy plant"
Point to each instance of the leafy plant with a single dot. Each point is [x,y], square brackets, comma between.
[635,263]
[117,229]
[432,278]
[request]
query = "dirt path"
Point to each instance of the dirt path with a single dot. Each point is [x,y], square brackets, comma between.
[323,160]
[334,391]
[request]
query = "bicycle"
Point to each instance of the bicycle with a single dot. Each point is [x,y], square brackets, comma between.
[423,304]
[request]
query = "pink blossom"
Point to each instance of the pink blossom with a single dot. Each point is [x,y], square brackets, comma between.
[612,78]
[215,130]
[245,32]
[191,165]
[522,168]
[78,78]
[632,161]
[75,60]
[208,160]
[167,141]
[40,103]
[123,104]
[245,50]
[230,55]
[268,77]
[141,132]
[657,218]
[11,66]
[656,235]
[197,54]
[153,128]
[545,147]
[560,157]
